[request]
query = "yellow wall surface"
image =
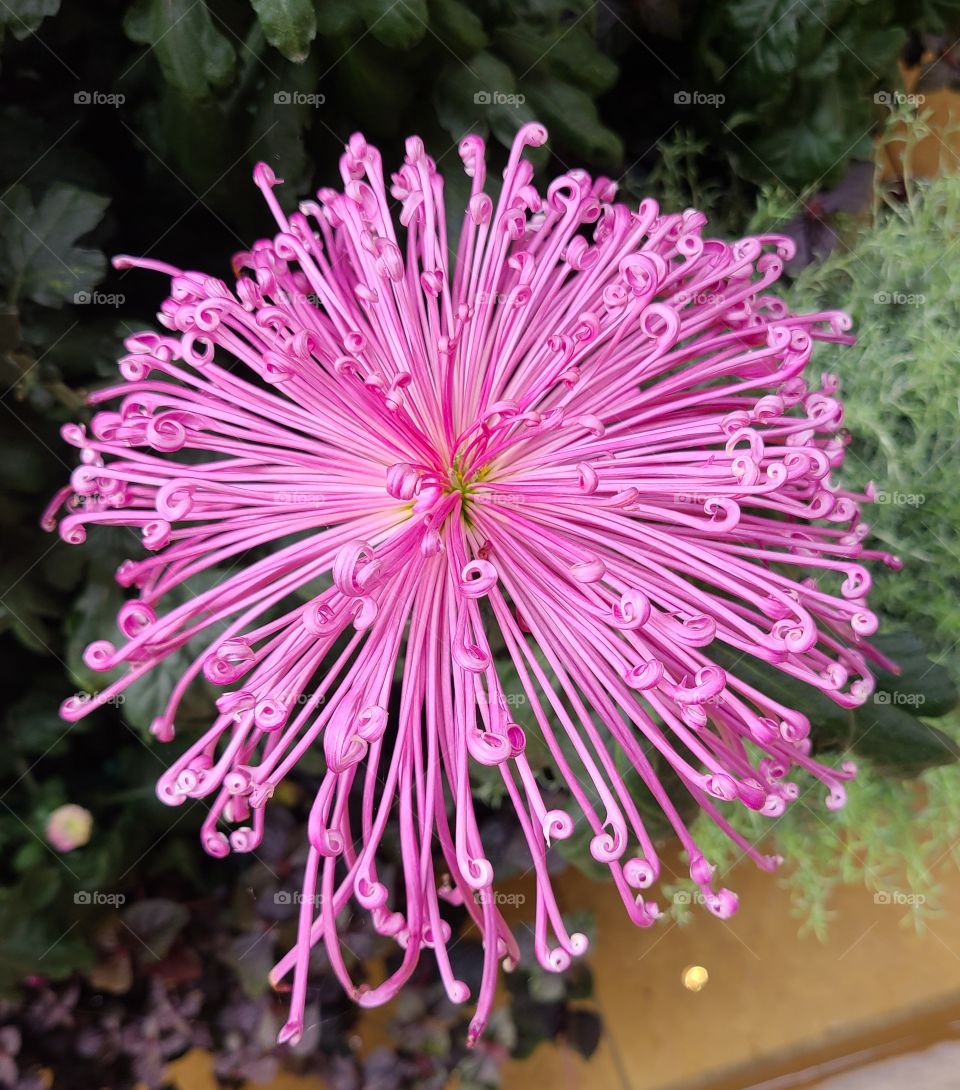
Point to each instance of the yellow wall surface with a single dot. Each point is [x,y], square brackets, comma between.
[772,998]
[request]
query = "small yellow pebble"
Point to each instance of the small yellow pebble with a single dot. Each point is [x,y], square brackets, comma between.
[695,978]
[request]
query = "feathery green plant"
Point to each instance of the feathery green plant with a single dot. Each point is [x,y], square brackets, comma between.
[899,281]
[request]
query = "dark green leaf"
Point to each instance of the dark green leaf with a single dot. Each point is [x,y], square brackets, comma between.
[575,57]
[812,147]
[470,97]
[32,943]
[546,987]
[899,742]
[829,721]
[39,257]
[771,29]
[374,88]
[877,46]
[584,1030]
[579,977]
[93,618]
[339,17]
[922,686]
[399,24]
[460,29]
[288,25]
[196,139]
[574,123]
[289,104]
[156,923]
[34,728]
[192,53]
[24,17]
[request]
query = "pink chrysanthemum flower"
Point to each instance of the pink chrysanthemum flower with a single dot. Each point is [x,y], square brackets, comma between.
[587,443]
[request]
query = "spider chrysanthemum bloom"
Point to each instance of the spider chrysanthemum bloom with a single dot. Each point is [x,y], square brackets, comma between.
[585,448]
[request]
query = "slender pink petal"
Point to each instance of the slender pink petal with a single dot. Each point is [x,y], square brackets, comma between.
[589,449]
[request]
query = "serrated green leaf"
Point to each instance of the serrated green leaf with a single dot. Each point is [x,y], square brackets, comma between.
[192,53]
[288,25]
[39,255]
[772,29]
[570,54]
[877,47]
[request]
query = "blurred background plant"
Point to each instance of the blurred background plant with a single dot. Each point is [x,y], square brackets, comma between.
[133,128]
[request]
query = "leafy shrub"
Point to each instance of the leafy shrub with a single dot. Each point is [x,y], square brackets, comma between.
[765,91]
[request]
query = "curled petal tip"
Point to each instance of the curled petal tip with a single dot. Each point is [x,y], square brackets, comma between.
[475,1031]
[291,1033]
